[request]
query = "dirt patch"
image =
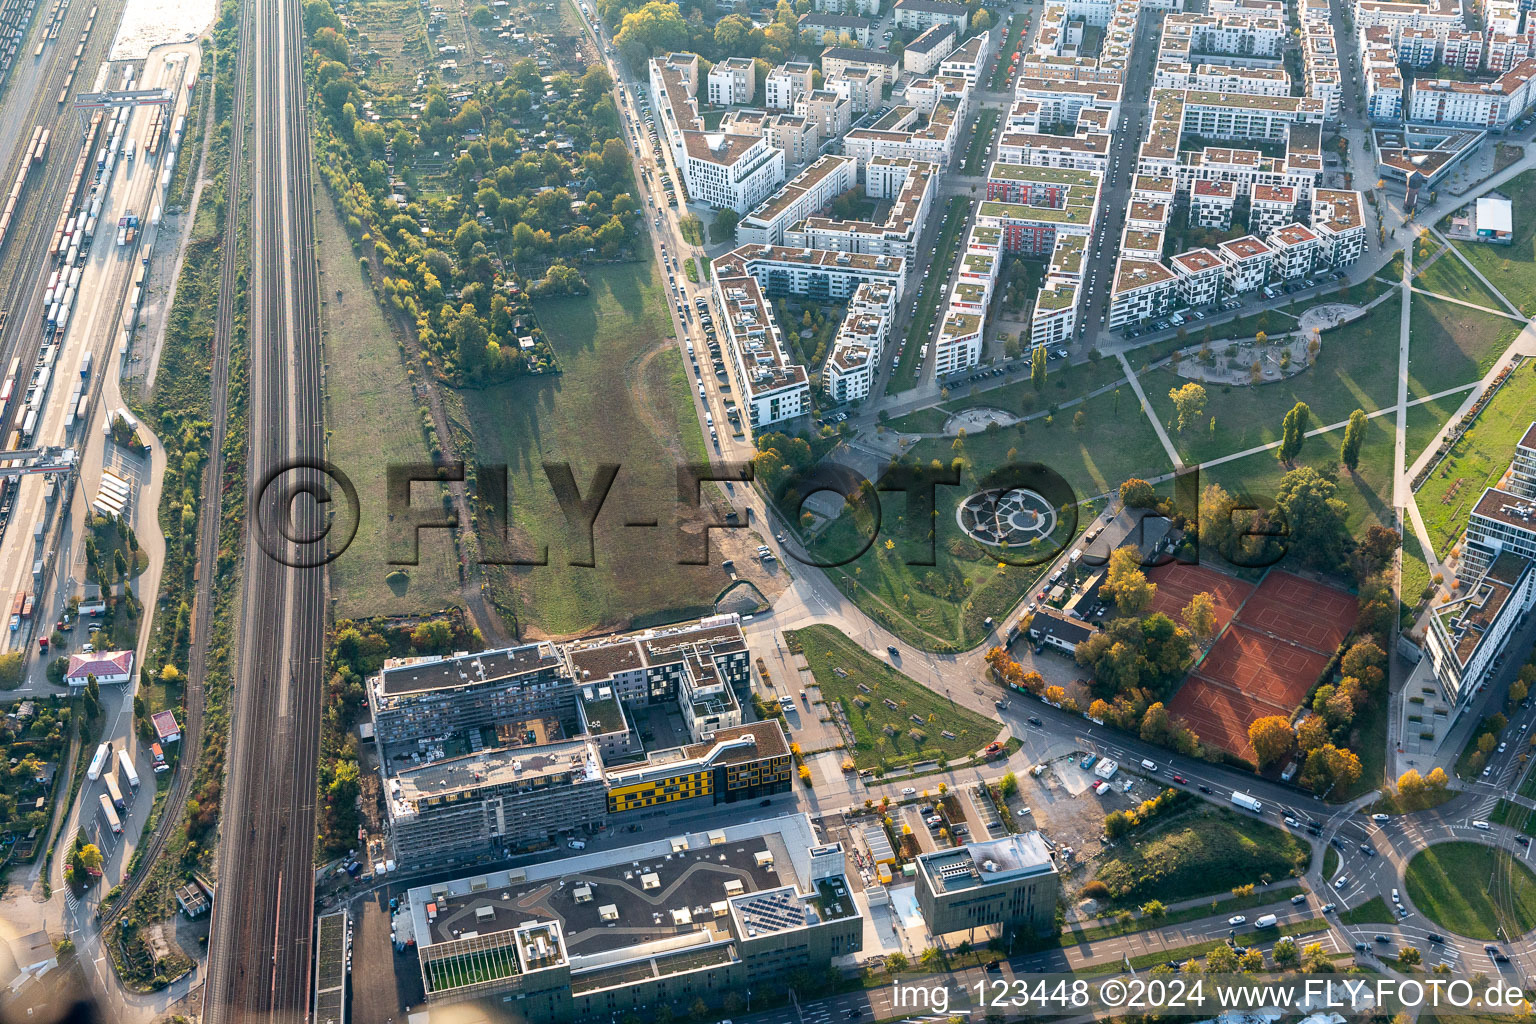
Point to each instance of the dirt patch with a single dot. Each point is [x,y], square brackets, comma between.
[1060,802]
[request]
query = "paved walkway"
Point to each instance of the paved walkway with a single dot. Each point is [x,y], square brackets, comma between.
[1146,407]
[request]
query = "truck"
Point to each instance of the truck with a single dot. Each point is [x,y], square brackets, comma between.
[127,770]
[16,603]
[109,815]
[99,761]
[1247,803]
[1267,921]
[115,792]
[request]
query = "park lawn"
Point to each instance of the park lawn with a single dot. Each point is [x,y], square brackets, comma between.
[1367,491]
[622,397]
[976,156]
[374,422]
[1207,852]
[1372,911]
[1472,889]
[1416,578]
[1425,420]
[1227,907]
[1450,344]
[921,421]
[1061,385]
[1512,267]
[863,677]
[920,330]
[1449,276]
[1356,369]
[1478,460]
[1114,442]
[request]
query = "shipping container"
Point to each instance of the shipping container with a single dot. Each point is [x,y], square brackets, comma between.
[115,792]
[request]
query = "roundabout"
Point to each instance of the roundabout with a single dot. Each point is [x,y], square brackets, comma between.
[1013,518]
[1472,889]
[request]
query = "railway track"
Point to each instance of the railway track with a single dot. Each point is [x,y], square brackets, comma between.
[259,946]
[211,514]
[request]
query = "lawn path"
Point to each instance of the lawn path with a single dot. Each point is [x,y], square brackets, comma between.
[1146,407]
[1469,305]
[1434,233]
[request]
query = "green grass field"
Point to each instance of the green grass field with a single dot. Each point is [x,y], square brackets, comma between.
[622,398]
[923,421]
[1515,816]
[1450,344]
[1478,460]
[881,733]
[1416,578]
[1425,421]
[1022,398]
[1230,905]
[1512,268]
[1372,911]
[1473,890]
[1353,372]
[374,422]
[1203,854]
[1367,491]
[1330,863]
[1449,276]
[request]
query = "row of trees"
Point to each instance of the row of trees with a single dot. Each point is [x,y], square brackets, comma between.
[528,180]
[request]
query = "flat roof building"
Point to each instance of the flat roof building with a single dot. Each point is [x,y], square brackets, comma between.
[1009,883]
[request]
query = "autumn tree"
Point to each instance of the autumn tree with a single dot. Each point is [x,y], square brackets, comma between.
[1329,767]
[1354,437]
[1293,430]
[1272,738]
[1126,584]
[1200,616]
[1189,401]
[1137,493]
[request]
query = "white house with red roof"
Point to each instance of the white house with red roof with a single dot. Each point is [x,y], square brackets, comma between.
[109,667]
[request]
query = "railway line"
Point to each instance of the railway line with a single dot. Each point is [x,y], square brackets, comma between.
[211,512]
[260,940]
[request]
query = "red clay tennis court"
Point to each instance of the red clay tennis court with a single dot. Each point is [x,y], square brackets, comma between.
[1266,660]
[1178,582]
[1312,614]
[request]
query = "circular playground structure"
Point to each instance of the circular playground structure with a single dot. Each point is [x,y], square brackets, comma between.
[1013,517]
[974,421]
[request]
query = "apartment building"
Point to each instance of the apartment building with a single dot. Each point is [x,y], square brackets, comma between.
[924,53]
[902,134]
[1200,274]
[823,29]
[1467,634]
[1055,314]
[798,136]
[617,932]
[918,15]
[733,82]
[719,168]
[807,193]
[772,387]
[1338,219]
[746,762]
[831,111]
[787,83]
[1271,207]
[862,88]
[862,8]
[839,60]
[1060,100]
[1248,263]
[1502,522]
[1088,151]
[1296,249]
[1239,116]
[851,366]
[1211,204]
[969,58]
[908,183]
[1143,289]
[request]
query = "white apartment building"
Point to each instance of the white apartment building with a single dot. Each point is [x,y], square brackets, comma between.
[787,83]
[1338,218]
[908,183]
[1200,275]
[924,53]
[808,193]
[733,82]
[839,60]
[1142,290]
[1270,207]
[969,58]
[1211,204]
[1248,263]
[1295,249]
[1086,152]
[1055,314]
[831,112]
[862,8]
[1059,101]
[917,15]
[1238,116]
[836,29]
[850,368]
[898,135]
[862,88]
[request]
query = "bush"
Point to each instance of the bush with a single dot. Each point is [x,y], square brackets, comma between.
[1094,890]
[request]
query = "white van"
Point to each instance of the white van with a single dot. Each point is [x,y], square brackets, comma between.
[1149,766]
[1482,825]
[577,844]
